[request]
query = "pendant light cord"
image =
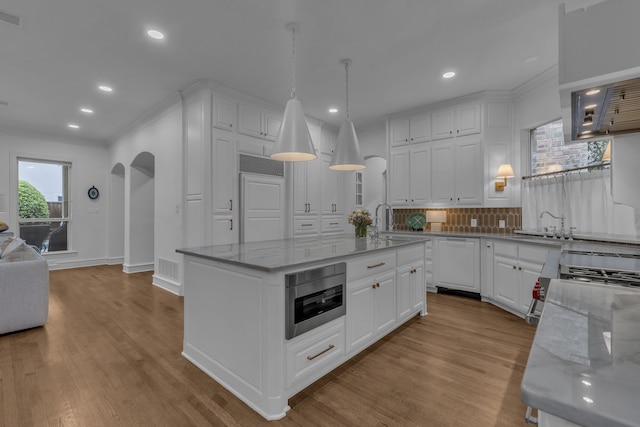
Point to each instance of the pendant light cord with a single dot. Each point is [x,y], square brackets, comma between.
[346,68]
[293,63]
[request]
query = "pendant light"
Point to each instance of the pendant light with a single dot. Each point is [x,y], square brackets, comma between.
[346,156]
[293,142]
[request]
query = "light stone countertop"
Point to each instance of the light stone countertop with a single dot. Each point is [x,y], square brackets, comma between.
[274,255]
[584,363]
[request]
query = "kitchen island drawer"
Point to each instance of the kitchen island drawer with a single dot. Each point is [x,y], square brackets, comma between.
[370,265]
[411,254]
[305,226]
[315,353]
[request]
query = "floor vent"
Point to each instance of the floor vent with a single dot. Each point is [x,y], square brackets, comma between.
[10,19]
[168,268]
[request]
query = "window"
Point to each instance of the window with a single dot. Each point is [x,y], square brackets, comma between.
[549,153]
[43,203]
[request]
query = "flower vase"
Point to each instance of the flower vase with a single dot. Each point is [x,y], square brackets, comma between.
[361,232]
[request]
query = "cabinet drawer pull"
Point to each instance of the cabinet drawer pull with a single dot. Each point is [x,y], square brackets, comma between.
[331,347]
[306,225]
[380,264]
[334,223]
[231,224]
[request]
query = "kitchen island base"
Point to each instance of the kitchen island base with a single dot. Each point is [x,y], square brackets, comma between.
[234,327]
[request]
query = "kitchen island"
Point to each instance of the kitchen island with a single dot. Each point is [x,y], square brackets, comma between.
[235,304]
[584,364]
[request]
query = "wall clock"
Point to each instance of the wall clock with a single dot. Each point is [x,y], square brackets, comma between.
[93,193]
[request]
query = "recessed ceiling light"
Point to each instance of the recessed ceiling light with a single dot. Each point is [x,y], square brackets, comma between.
[105,88]
[530,59]
[73,126]
[333,110]
[593,91]
[590,106]
[448,75]
[155,34]
[87,110]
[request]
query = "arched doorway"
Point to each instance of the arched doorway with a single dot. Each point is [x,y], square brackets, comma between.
[140,253]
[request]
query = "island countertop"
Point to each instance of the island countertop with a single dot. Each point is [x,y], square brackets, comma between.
[584,364]
[274,255]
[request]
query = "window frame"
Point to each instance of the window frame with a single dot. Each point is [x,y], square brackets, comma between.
[68,219]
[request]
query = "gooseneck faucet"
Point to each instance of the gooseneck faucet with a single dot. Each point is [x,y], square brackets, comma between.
[561,218]
[389,220]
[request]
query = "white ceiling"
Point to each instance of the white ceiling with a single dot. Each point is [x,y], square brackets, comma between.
[51,64]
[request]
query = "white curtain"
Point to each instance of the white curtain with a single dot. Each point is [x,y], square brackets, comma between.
[583,198]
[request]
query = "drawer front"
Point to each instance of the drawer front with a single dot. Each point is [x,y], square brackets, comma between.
[333,225]
[307,357]
[305,226]
[371,265]
[533,253]
[506,249]
[411,254]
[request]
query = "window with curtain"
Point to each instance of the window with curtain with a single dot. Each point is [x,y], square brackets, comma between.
[44,203]
[582,197]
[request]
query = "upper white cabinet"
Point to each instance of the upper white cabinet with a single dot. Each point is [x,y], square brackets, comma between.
[328,141]
[254,121]
[410,175]
[456,173]
[223,113]
[461,120]
[306,187]
[224,206]
[333,188]
[412,129]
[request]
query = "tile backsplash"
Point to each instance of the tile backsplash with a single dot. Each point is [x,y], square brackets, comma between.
[459,219]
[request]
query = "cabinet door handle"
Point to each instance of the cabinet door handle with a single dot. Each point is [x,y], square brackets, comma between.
[230,125]
[373,286]
[519,268]
[230,224]
[380,264]
[331,347]
[458,131]
[514,267]
[230,204]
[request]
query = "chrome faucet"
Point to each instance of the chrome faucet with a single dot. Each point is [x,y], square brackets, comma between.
[561,218]
[389,223]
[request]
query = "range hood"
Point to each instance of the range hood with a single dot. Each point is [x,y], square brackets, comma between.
[601,110]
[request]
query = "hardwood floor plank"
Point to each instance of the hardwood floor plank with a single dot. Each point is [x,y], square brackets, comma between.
[110,355]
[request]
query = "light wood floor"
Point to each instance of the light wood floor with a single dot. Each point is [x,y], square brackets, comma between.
[110,356]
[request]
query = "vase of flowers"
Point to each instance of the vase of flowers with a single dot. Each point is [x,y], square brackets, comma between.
[361,219]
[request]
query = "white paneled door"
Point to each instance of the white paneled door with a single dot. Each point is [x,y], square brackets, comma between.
[262,207]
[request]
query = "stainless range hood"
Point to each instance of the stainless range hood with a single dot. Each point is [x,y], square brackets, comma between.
[601,110]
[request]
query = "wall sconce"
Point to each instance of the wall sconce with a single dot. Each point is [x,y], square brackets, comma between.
[436,218]
[504,171]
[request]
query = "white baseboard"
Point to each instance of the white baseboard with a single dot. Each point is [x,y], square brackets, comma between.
[168,285]
[115,260]
[137,268]
[58,264]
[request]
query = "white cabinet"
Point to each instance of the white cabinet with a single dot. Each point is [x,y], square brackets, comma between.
[410,282]
[223,113]
[371,309]
[428,265]
[412,129]
[516,268]
[254,121]
[306,187]
[333,188]
[456,173]
[328,141]
[457,121]
[457,263]
[312,354]
[410,175]
[371,298]
[224,174]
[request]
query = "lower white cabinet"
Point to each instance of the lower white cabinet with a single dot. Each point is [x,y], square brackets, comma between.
[371,309]
[516,268]
[314,353]
[410,283]
[457,263]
